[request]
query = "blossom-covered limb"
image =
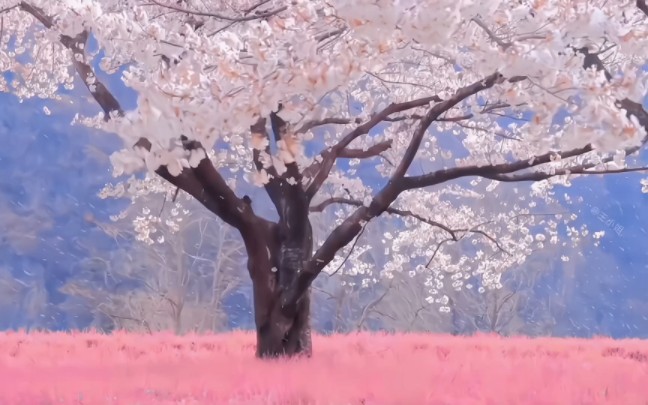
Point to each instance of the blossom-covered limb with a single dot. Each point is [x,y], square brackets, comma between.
[583,169]
[207,185]
[77,45]
[453,232]
[444,175]
[327,158]
[505,171]
[432,115]
[403,213]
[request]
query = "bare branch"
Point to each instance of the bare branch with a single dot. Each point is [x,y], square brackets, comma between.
[255,6]
[256,16]
[142,322]
[436,250]
[330,34]
[499,41]
[338,200]
[537,176]
[398,82]
[308,125]
[327,157]
[4,10]
[406,213]
[355,242]
[503,44]
[370,306]
[371,151]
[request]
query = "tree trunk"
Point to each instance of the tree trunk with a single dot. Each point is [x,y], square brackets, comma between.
[272,269]
[272,342]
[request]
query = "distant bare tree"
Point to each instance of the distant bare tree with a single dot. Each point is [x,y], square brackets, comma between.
[176,282]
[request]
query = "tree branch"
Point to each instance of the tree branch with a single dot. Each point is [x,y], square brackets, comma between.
[292,177]
[308,125]
[208,187]
[339,200]
[370,306]
[9,8]
[349,153]
[374,150]
[330,34]
[324,163]
[389,192]
[406,213]
[256,16]
[432,115]
[499,41]
[641,4]
[537,176]
[100,93]
[441,176]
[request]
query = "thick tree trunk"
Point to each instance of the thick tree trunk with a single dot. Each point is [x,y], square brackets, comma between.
[272,342]
[272,269]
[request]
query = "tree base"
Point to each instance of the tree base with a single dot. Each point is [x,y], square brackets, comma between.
[273,343]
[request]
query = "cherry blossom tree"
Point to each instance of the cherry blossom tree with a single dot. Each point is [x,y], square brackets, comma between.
[417,107]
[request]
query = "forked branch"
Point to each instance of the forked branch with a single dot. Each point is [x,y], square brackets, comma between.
[76,45]
[326,158]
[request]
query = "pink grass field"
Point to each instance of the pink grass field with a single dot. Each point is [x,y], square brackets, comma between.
[89,368]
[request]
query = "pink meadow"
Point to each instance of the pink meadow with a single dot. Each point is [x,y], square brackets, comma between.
[90,368]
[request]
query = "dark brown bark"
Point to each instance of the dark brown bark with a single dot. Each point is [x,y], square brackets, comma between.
[277,335]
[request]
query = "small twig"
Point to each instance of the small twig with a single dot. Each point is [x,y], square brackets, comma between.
[369,307]
[221,16]
[337,200]
[4,10]
[398,82]
[491,34]
[327,35]
[142,322]
[254,7]
[350,250]
[436,251]
[308,125]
